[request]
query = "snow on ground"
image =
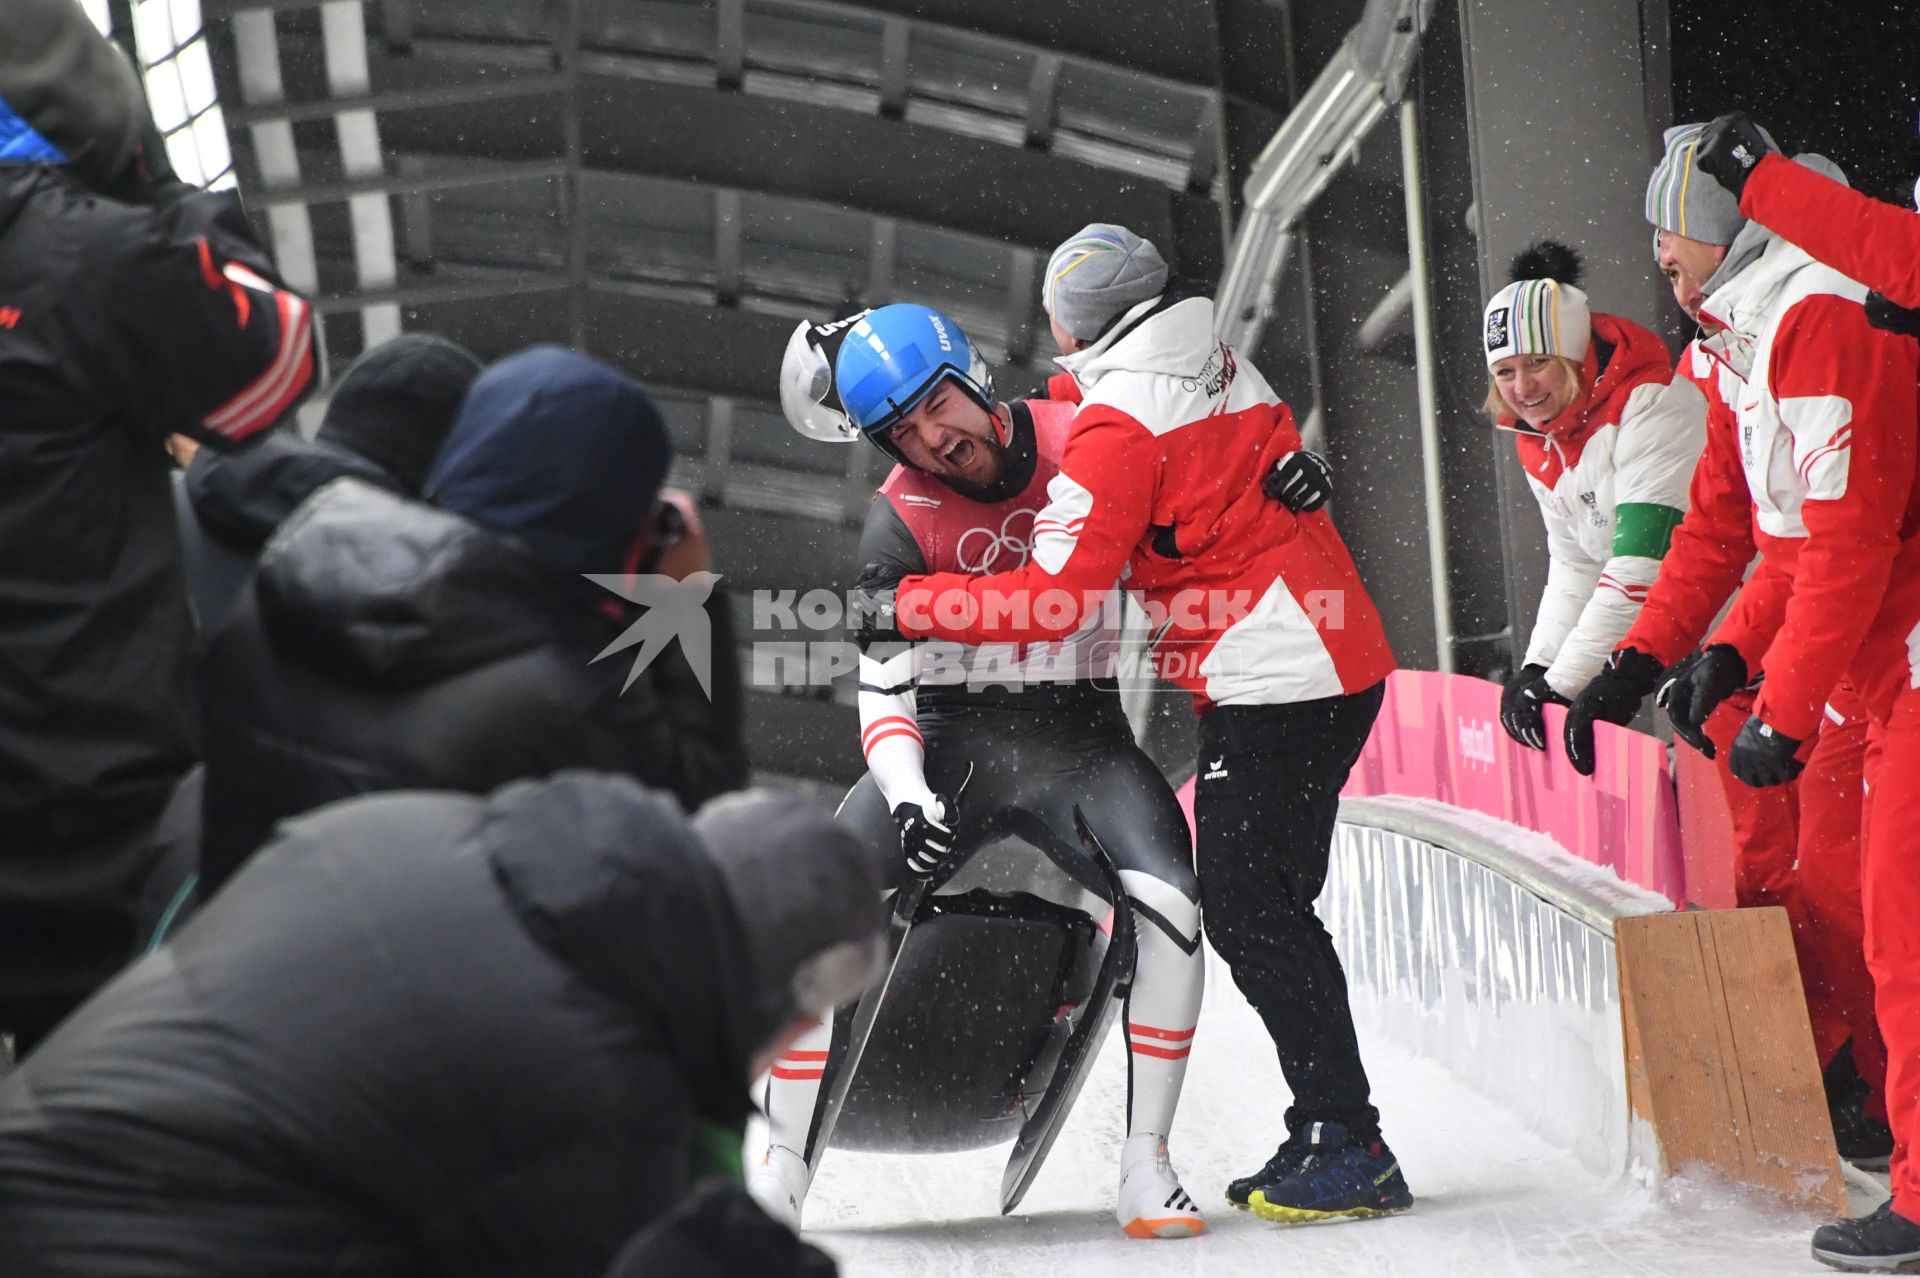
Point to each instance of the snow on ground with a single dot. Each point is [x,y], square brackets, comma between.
[1493,1199]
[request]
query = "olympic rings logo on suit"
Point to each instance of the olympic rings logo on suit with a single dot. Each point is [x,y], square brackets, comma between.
[992,544]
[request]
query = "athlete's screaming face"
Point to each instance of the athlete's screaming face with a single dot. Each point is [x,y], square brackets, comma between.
[953,439]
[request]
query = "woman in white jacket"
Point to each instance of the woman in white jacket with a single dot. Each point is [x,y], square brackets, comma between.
[1608,438]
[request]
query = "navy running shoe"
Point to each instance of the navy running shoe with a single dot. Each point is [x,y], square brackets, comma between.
[1884,1242]
[1285,1160]
[1336,1177]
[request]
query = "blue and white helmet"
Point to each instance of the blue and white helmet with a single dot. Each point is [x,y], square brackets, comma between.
[893,358]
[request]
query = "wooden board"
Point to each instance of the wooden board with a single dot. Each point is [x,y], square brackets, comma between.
[1720,1058]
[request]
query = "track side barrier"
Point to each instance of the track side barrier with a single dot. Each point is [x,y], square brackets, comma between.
[1611,1025]
[1490,951]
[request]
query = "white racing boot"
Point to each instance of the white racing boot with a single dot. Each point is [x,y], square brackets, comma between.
[1161,1012]
[1152,1204]
[779,1183]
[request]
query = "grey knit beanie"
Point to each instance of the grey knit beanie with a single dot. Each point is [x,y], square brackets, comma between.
[807,890]
[1100,273]
[1682,199]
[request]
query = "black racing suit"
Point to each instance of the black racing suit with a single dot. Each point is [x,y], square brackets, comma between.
[1036,750]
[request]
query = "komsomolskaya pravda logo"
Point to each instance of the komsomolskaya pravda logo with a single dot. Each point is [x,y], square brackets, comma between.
[674,610]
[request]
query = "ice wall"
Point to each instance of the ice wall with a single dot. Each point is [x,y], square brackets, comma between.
[1490,950]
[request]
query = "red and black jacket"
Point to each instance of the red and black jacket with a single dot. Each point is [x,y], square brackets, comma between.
[120,325]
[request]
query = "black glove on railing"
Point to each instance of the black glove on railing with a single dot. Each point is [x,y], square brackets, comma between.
[1614,695]
[1522,704]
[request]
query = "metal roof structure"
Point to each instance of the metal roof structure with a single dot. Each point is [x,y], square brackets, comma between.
[672,184]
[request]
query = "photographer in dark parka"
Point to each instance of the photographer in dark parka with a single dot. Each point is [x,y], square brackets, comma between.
[386,419]
[384,644]
[435,1034]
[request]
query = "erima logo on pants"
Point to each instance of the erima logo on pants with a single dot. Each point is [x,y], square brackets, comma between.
[1216,769]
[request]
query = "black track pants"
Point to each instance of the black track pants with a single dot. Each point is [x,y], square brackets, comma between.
[1266,800]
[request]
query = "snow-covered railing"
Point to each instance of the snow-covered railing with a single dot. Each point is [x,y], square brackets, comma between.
[1489,949]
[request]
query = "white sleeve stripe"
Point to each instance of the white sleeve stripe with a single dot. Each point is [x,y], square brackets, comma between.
[239,416]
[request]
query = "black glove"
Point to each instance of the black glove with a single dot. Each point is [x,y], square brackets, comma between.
[1301,481]
[1882,312]
[1521,705]
[1696,686]
[926,837]
[870,615]
[1614,695]
[1730,148]
[1761,756]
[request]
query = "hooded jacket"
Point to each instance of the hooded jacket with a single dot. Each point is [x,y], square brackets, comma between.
[1811,462]
[387,416]
[1610,474]
[1160,477]
[119,325]
[385,645]
[424,1034]
[228,505]
[67,95]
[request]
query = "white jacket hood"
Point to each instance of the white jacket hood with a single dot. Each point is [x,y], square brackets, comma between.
[1173,342]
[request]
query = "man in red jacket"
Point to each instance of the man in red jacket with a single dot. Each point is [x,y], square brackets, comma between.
[1879,246]
[1261,615]
[1864,239]
[1797,845]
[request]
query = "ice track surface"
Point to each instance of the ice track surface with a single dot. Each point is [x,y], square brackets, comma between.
[1493,1198]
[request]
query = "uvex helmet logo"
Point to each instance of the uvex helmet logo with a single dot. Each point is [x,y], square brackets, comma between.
[821,332]
[940,332]
[1497,329]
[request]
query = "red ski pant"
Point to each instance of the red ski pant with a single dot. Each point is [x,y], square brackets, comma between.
[1799,847]
[1891,891]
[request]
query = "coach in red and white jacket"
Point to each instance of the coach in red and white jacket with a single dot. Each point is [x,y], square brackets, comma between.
[1817,472]
[1822,461]
[1877,245]
[1258,613]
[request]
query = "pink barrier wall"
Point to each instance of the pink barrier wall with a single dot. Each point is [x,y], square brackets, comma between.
[1439,737]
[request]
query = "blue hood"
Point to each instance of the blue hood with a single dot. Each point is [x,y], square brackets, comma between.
[558,451]
[21,143]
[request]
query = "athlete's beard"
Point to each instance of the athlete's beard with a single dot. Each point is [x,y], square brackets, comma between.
[984,489]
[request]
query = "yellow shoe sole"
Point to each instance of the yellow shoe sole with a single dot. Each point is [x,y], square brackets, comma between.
[1259,1206]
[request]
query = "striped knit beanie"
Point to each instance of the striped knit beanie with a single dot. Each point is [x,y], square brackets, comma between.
[1682,199]
[1101,272]
[1538,317]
